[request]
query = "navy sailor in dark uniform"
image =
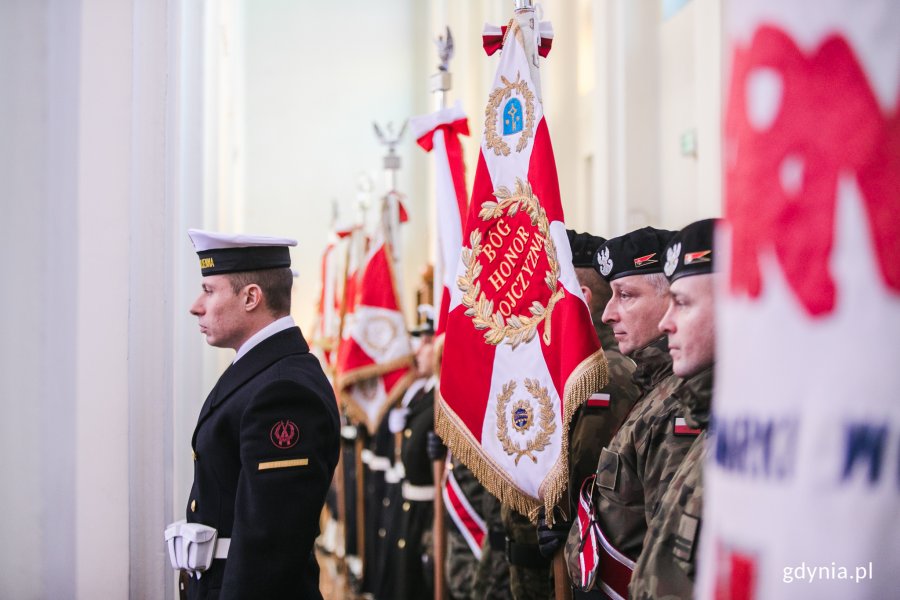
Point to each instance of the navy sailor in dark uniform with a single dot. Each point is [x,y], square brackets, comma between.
[267,439]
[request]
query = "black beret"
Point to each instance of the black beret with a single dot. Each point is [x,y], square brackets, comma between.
[584,246]
[637,253]
[690,251]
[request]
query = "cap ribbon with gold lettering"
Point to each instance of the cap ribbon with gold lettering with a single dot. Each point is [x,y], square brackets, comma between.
[232,253]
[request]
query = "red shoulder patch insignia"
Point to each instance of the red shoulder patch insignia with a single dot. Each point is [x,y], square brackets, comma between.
[284,435]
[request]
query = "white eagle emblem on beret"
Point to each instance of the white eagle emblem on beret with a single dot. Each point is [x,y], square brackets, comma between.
[672,255]
[606,263]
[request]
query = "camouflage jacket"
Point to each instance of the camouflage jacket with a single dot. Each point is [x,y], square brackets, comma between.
[525,582]
[460,564]
[492,576]
[636,467]
[665,568]
[594,426]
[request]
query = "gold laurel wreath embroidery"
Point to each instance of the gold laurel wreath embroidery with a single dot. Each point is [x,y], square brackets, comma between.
[493,139]
[517,329]
[547,421]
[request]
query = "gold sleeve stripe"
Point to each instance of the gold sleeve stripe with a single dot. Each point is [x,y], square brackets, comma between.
[283,464]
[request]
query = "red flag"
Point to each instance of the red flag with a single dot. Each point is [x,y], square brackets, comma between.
[802,487]
[440,132]
[375,355]
[520,354]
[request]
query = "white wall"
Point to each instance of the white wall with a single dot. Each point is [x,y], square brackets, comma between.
[314,81]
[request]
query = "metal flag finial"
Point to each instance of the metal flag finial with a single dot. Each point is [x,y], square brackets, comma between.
[445,50]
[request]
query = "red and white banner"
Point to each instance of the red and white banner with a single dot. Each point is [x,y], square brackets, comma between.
[802,483]
[520,352]
[374,363]
[440,132]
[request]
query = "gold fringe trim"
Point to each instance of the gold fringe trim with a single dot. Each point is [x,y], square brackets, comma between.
[464,447]
[589,376]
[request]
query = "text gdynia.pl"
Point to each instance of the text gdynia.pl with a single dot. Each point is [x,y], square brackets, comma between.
[832,572]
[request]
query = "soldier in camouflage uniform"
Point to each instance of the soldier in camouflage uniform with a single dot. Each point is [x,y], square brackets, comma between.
[492,576]
[598,418]
[529,571]
[666,566]
[593,426]
[637,465]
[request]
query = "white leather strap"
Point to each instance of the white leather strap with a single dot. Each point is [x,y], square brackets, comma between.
[222,545]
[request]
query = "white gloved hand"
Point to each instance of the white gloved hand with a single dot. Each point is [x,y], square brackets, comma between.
[397,419]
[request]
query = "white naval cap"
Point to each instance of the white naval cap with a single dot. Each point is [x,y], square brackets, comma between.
[231,253]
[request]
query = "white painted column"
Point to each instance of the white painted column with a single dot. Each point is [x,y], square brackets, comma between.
[90,214]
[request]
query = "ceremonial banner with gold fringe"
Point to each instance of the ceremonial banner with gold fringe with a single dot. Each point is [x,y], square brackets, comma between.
[521,354]
[802,481]
[374,363]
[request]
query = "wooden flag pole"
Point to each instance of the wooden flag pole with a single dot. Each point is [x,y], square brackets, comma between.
[561,584]
[360,505]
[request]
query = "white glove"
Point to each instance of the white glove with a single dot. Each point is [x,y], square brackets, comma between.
[397,419]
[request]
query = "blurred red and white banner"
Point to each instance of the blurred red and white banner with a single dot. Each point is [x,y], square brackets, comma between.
[803,474]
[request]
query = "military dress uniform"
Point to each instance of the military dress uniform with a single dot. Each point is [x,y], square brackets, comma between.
[265,448]
[377,464]
[414,569]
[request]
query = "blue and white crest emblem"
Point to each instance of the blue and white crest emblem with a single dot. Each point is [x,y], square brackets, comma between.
[672,255]
[512,117]
[510,112]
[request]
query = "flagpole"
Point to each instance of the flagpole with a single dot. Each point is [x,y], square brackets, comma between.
[561,584]
[390,205]
[440,84]
[364,187]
